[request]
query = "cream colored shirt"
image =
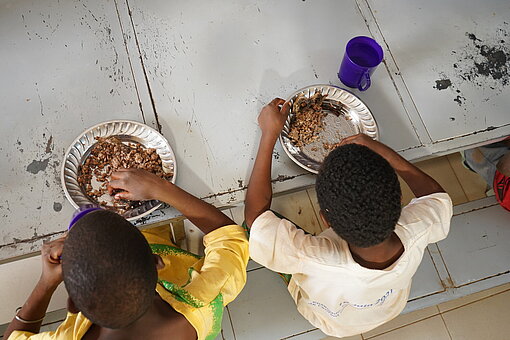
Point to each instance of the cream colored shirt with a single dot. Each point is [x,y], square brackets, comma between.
[331,290]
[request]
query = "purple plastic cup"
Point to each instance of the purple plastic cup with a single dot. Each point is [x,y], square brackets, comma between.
[362,55]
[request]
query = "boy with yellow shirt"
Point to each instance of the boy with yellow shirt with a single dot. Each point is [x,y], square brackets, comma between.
[124,284]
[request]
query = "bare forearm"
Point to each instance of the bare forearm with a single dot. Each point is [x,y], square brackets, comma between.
[260,191]
[419,182]
[202,214]
[34,309]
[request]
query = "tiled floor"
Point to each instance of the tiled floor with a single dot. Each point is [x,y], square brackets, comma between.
[265,310]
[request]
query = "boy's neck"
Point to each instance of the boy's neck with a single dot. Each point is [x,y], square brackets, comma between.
[160,319]
[379,256]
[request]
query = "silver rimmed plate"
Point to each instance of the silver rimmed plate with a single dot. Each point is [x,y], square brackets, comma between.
[347,115]
[126,131]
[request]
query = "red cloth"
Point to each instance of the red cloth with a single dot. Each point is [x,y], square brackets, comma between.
[502,189]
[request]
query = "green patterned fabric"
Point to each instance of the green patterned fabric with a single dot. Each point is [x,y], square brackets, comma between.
[216,306]
[181,294]
[164,249]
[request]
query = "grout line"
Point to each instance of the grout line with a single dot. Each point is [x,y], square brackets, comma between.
[402,326]
[475,301]
[231,322]
[297,334]
[254,269]
[457,177]
[433,165]
[446,326]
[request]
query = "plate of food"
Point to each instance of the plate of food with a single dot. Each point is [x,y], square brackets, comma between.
[106,147]
[320,117]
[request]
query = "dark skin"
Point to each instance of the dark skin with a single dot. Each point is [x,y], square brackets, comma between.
[258,197]
[160,321]
[38,301]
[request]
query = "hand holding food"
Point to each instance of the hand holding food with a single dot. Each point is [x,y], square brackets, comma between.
[136,185]
[307,120]
[273,117]
[110,154]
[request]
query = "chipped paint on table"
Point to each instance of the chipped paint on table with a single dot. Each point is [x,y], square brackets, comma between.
[64,68]
[202,70]
[211,66]
[454,58]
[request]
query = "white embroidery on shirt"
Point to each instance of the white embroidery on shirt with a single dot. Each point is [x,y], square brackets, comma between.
[342,306]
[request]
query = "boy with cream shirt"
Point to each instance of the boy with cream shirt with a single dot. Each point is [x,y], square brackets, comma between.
[357,274]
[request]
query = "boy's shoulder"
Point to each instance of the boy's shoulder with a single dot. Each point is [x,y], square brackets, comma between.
[427,217]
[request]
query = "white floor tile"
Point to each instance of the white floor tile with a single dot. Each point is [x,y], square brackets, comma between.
[403,320]
[252,265]
[317,334]
[265,309]
[468,299]
[298,208]
[429,329]
[484,319]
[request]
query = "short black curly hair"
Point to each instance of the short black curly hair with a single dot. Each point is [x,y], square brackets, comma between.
[359,195]
[109,270]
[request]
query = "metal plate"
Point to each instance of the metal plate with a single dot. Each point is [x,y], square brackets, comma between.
[126,131]
[347,115]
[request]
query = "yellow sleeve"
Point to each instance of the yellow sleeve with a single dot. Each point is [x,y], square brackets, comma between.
[224,267]
[20,335]
[73,327]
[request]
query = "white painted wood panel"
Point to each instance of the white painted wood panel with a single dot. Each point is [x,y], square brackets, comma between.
[212,65]
[477,246]
[64,68]
[435,41]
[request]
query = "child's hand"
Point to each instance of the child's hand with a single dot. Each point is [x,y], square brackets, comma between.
[272,117]
[360,139]
[51,252]
[372,144]
[136,185]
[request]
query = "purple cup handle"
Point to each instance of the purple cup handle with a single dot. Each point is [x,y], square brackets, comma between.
[365,81]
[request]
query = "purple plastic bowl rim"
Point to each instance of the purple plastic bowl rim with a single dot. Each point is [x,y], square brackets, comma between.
[80,215]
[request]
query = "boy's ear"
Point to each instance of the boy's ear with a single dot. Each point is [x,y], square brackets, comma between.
[158,261]
[71,307]
[323,218]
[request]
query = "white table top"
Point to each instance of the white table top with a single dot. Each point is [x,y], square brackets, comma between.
[64,68]
[206,69]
